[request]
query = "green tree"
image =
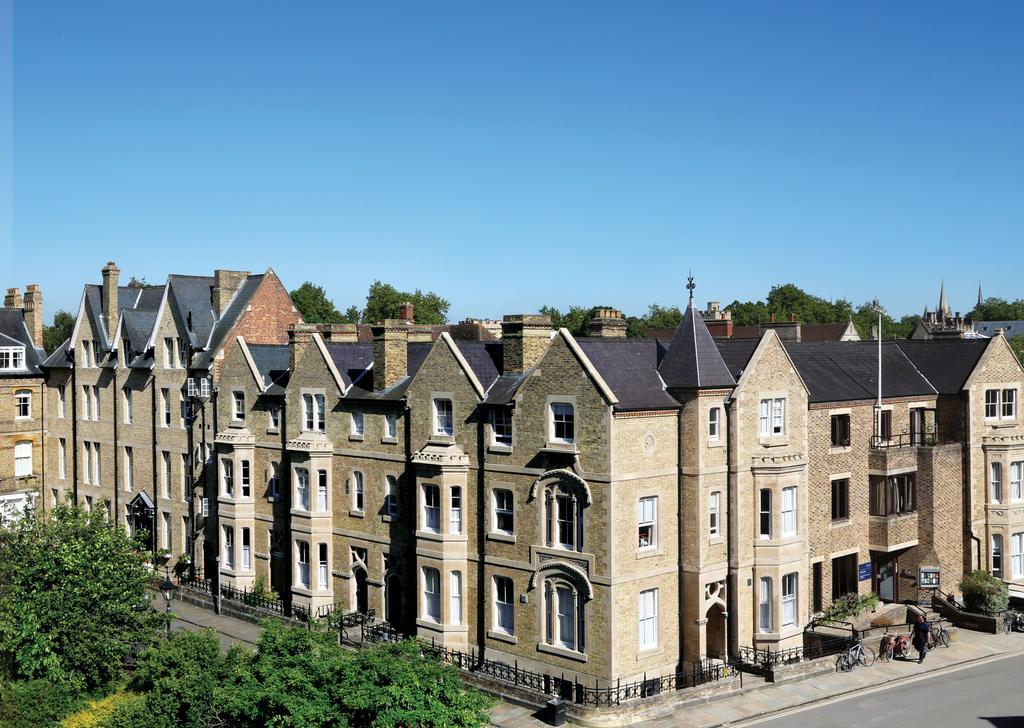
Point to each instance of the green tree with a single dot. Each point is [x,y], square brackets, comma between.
[998,309]
[984,593]
[383,301]
[1017,344]
[59,332]
[71,584]
[314,305]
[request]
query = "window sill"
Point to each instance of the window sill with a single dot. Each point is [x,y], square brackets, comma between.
[773,441]
[501,537]
[561,447]
[715,540]
[716,442]
[645,653]
[839,449]
[495,634]
[387,440]
[649,551]
[355,438]
[441,439]
[388,517]
[440,626]
[561,652]
[499,449]
[839,523]
[439,536]
[356,513]
[273,431]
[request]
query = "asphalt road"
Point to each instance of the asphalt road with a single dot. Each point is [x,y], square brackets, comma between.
[989,695]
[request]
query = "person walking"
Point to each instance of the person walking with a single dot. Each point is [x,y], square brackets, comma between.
[921,634]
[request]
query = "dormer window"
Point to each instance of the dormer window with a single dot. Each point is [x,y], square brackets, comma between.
[563,423]
[443,417]
[12,358]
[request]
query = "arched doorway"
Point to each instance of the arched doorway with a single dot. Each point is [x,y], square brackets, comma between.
[393,599]
[360,600]
[716,632]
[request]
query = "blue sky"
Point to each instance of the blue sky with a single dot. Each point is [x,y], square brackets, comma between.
[515,155]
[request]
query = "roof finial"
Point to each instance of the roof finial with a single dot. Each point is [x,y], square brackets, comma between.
[690,285]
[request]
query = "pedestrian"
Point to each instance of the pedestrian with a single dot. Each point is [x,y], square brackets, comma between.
[922,633]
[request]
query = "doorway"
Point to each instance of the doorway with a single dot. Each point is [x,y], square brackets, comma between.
[715,634]
[816,605]
[361,600]
[393,600]
[886,583]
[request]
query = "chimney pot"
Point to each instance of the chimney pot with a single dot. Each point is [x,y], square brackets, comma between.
[13,298]
[405,311]
[607,323]
[33,307]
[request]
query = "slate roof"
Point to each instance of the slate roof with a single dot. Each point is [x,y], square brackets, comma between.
[272,361]
[362,379]
[946,363]
[693,361]
[736,353]
[219,331]
[13,332]
[630,369]
[1010,328]
[503,390]
[485,358]
[848,371]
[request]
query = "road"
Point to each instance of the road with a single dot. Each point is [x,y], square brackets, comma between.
[987,695]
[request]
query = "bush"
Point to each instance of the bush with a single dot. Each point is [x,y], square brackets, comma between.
[984,594]
[99,712]
[36,703]
[850,605]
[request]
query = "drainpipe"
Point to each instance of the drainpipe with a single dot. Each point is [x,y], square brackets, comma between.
[732,580]
[117,457]
[70,353]
[481,532]
[42,441]
[152,398]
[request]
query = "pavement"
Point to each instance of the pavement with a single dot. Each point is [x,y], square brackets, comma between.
[882,690]
[761,701]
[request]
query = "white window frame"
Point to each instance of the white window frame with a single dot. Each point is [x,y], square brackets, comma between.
[995,472]
[562,415]
[302,500]
[97,464]
[762,533]
[391,426]
[246,549]
[788,510]
[165,398]
[455,510]
[764,605]
[358,491]
[323,567]
[126,399]
[323,492]
[12,358]
[23,465]
[996,555]
[168,352]
[992,404]
[501,427]
[444,416]
[431,508]
[647,617]
[500,509]
[129,468]
[23,404]
[62,401]
[714,514]
[504,605]
[238,406]
[1017,555]
[647,518]
[229,546]
[1017,480]
[431,594]
[714,424]
[227,477]
[165,474]
[62,458]
[455,598]
[1008,408]
[302,571]
[358,424]
[392,496]
[790,590]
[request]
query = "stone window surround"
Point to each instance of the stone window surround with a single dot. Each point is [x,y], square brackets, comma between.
[719,535]
[22,396]
[386,516]
[444,569]
[547,587]
[718,440]
[385,438]
[549,417]
[493,534]
[775,484]
[236,416]
[444,490]
[435,434]
[770,439]
[350,489]
[356,434]
[655,549]
[998,387]
[776,572]
[491,615]
[848,476]
[492,444]
[834,449]
[313,392]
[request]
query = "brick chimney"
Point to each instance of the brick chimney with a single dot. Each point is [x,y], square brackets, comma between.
[390,353]
[405,312]
[13,298]
[607,323]
[525,338]
[720,328]
[299,337]
[111,274]
[339,333]
[225,284]
[34,313]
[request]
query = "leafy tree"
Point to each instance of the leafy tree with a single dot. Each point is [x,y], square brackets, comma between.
[383,301]
[59,332]
[998,309]
[314,305]
[36,703]
[71,584]
[134,282]
[576,319]
[1017,344]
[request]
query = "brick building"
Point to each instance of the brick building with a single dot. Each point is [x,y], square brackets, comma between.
[22,394]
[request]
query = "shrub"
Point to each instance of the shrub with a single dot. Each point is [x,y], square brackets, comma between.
[98,713]
[36,703]
[984,594]
[850,605]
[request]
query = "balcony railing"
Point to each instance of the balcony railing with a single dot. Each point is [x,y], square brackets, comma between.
[904,439]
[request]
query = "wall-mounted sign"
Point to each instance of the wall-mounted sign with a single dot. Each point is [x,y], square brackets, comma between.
[928,578]
[864,572]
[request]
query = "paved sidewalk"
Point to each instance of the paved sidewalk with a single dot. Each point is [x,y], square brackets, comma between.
[764,700]
[231,631]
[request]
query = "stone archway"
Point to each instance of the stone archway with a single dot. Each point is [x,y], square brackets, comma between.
[360,598]
[715,633]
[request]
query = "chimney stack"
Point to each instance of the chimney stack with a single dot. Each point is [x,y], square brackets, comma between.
[299,337]
[339,333]
[225,284]
[720,328]
[607,323]
[34,313]
[524,339]
[111,274]
[13,298]
[390,353]
[405,312]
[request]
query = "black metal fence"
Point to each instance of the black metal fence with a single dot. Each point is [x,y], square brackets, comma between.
[768,659]
[258,599]
[904,439]
[700,673]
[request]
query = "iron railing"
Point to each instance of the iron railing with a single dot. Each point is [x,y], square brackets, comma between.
[768,659]
[904,439]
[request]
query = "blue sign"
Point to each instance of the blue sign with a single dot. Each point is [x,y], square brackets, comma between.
[864,572]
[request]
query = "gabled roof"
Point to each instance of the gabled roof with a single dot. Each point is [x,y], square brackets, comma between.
[946,363]
[848,371]
[692,360]
[630,368]
[736,354]
[272,361]
[219,331]
[361,380]
[14,332]
[485,358]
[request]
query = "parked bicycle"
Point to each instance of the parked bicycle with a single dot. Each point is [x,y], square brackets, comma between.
[940,636]
[894,645]
[1013,621]
[856,654]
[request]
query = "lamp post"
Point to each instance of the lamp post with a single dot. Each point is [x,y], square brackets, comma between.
[167,589]
[878,404]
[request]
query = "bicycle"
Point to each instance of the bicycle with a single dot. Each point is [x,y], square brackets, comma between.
[892,646]
[940,636]
[856,654]
[1013,621]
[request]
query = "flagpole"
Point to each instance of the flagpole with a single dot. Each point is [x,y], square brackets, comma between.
[878,404]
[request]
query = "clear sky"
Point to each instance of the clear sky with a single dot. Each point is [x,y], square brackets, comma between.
[519,154]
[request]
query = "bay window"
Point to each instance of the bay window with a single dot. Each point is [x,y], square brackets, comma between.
[455,511]
[789,600]
[764,605]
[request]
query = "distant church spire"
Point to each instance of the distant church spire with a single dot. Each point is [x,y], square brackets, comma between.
[980,299]
[943,304]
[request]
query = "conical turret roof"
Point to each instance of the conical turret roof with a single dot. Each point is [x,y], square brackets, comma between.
[693,360]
